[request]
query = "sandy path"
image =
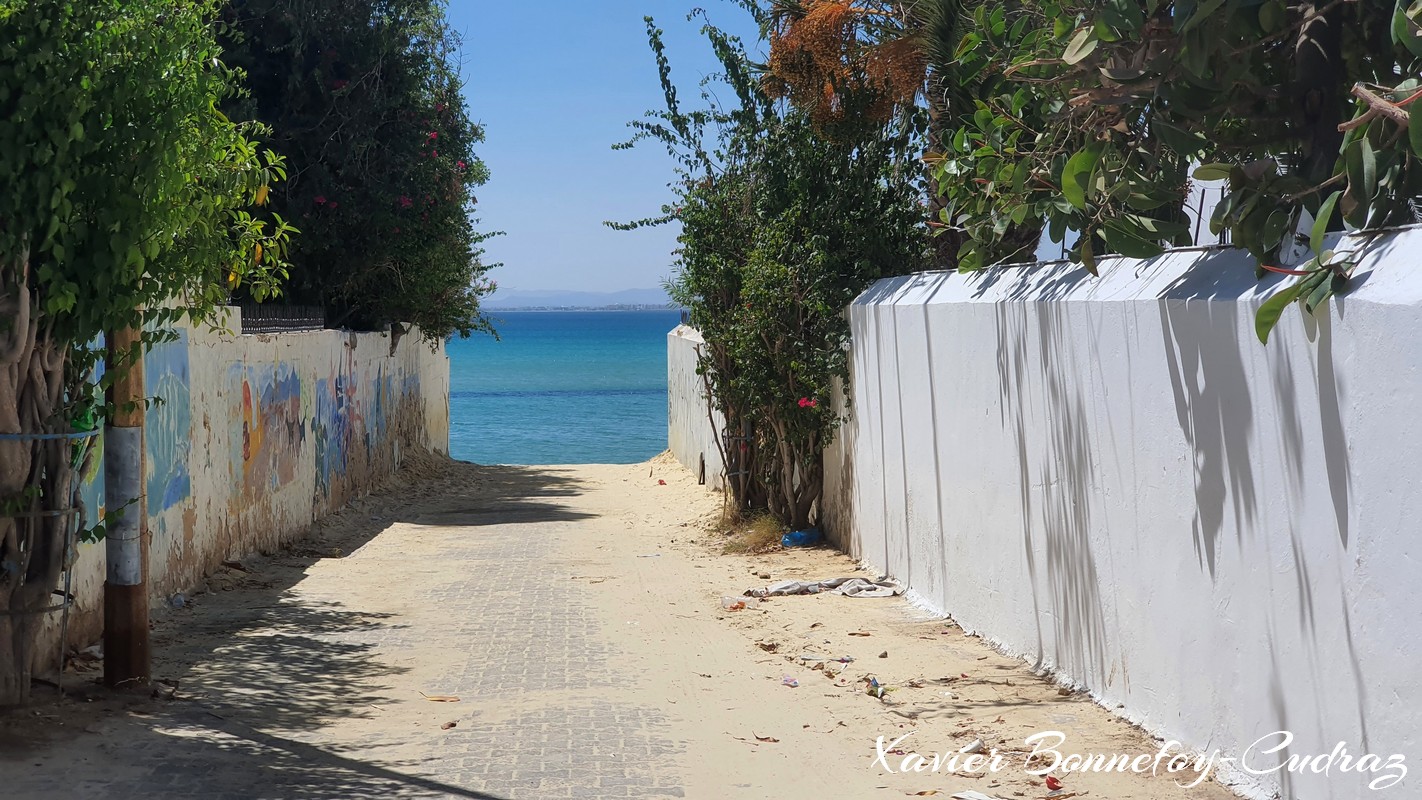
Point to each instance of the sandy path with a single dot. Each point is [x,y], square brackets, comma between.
[574,612]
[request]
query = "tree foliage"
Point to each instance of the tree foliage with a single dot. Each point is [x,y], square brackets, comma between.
[364,99]
[129,201]
[1105,109]
[1093,117]
[783,224]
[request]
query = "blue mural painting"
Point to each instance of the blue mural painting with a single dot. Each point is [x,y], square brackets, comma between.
[168,424]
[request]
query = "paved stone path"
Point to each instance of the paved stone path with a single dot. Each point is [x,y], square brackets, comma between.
[583,636]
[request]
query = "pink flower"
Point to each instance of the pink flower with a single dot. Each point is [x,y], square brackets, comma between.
[459,164]
[406,202]
[434,135]
[434,154]
[320,199]
[806,402]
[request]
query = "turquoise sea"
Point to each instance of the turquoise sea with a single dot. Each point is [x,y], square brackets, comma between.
[561,387]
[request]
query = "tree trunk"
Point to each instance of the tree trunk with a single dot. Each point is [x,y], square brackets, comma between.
[35,475]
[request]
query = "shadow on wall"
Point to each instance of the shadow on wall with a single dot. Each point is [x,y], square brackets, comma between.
[1056,476]
[263,671]
[1212,400]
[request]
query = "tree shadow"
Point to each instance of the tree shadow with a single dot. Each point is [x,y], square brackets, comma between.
[262,669]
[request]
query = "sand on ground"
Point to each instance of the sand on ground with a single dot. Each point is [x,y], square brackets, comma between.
[572,617]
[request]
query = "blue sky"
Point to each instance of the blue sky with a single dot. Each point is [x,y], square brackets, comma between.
[555,84]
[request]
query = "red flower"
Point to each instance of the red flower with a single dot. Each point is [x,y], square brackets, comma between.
[434,135]
[320,199]
[406,202]
[459,164]
[434,154]
[806,402]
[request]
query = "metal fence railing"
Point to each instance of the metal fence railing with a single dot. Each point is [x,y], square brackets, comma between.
[279,319]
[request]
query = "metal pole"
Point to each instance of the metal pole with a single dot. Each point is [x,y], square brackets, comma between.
[126,648]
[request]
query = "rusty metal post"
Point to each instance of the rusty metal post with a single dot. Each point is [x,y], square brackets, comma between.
[126,647]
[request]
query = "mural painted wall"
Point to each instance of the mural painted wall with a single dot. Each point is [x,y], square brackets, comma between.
[251,438]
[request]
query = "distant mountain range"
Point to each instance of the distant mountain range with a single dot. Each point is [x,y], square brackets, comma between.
[513,299]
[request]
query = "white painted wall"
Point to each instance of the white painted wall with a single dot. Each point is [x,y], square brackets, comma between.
[1113,479]
[691,433]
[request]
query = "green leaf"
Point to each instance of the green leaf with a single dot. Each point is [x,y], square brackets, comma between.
[1275,225]
[1186,143]
[1404,29]
[1320,293]
[1129,241]
[1358,197]
[1268,314]
[1320,222]
[1212,172]
[1370,168]
[1088,258]
[1076,175]
[1083,44]
[1158,228]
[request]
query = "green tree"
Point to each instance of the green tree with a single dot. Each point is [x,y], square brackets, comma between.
[786,216]
[363,97]
[124,207]
[1304,107]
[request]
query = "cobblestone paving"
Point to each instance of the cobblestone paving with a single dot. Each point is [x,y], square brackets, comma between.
[307,685]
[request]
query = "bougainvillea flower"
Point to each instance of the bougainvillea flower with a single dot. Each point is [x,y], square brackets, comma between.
[405,201]
[434,135]
[320,199]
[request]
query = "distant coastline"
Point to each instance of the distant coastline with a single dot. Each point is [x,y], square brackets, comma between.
[573,300]
[614,307]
